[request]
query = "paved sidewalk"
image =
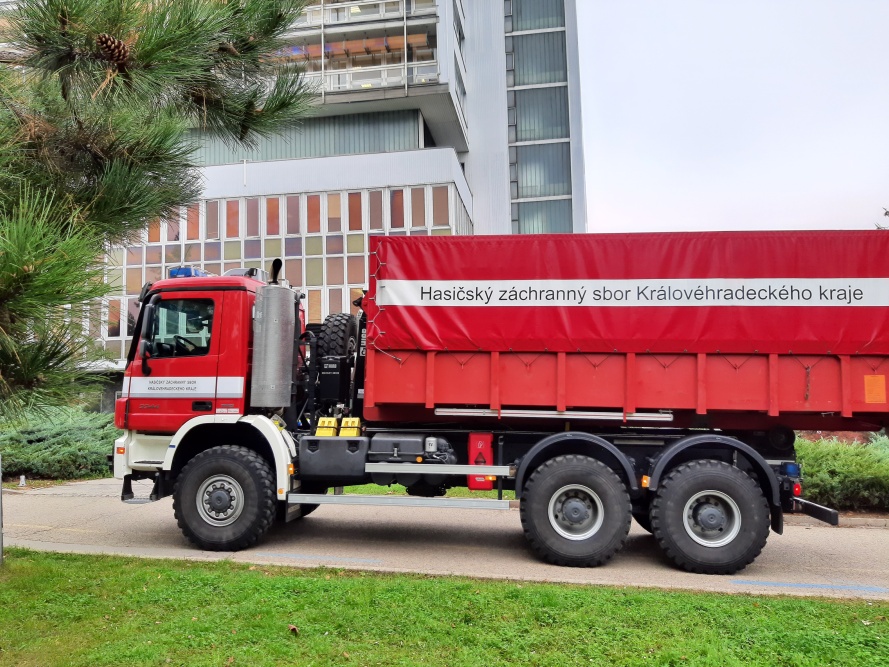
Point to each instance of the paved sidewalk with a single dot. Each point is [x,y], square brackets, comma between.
[110,488]
[88,517]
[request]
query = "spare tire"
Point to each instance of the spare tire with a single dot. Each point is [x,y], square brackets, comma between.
[338,336]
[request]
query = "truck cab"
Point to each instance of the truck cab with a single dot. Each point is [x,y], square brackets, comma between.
[190,355]
[186,385]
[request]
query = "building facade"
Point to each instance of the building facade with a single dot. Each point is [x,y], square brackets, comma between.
[433,117]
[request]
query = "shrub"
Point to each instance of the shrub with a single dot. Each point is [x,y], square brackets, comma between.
[846,476]
[58,443]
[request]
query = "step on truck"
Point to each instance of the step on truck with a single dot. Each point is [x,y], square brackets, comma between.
[603,378]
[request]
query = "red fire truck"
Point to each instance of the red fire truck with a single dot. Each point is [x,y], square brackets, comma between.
[603,378]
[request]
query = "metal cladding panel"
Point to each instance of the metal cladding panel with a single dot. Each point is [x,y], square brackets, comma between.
[355,172]
[795,293]
[274,324]
[378,132]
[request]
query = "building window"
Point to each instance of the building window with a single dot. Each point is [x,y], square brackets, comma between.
[114,318]
[211,223]
[541,114]
[544,217]
[252,217]
[334,300]
[538,14]
[376,209]
[334,213]
[396,205]
[314,312]
[272,216]
[335,275]
[154,231]
[440,214]
[132,315]
[313,214]
[172,230]
[293,271]
[355,220]
[193,223]
[418,207]
[293,215]
[232,220]
[544,170]
[540,58]
[315,272]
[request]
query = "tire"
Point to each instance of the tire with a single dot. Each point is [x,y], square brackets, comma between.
[243,486]
[644,520]
[710,517]
[338,336]
[599,503]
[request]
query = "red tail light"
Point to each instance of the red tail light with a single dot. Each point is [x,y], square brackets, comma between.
[797,489]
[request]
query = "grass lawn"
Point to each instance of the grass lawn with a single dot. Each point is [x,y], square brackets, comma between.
[85,610]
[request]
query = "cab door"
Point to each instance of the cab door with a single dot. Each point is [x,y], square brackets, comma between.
[173,376]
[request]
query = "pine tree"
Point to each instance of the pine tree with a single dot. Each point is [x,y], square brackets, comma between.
[98,105]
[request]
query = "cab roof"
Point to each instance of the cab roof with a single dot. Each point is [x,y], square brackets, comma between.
[206,282]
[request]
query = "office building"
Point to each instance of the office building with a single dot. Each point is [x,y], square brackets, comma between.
[433,117]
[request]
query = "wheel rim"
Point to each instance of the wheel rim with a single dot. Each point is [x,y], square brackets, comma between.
[575,512]
[220,500]
[712,518]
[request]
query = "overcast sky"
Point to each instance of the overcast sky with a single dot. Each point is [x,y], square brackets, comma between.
[718,114]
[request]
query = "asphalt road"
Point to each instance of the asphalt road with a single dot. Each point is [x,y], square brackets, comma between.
[88,517]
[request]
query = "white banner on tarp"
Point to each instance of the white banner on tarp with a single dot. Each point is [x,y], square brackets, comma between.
[655,292]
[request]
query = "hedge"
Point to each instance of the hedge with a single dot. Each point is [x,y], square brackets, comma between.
[846,476]
[69,443]
[59,443]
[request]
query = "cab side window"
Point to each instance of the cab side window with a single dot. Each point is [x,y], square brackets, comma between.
[182,328]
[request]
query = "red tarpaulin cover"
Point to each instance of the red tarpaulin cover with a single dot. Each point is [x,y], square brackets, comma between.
[821,292]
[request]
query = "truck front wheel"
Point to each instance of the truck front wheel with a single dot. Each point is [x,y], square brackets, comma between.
[710,517]
[224,499]
[575,511]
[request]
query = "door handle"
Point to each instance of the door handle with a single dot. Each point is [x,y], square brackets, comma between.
[201,406]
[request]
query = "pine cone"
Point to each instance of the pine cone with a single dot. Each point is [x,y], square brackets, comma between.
[113,50]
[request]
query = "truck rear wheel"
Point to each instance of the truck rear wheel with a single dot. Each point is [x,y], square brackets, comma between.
[575,511]
[710,517]
[224,499]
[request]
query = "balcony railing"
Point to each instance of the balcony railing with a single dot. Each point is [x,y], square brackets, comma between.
[363,10]
[374,77]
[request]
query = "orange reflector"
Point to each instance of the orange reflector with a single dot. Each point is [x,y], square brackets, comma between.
[280,492]
[290,468]
[419,459]
[797,489]
[121,450]
[491,478]
[645,481]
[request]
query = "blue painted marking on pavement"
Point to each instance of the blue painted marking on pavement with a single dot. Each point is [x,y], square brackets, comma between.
[339,559]
[837,587]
